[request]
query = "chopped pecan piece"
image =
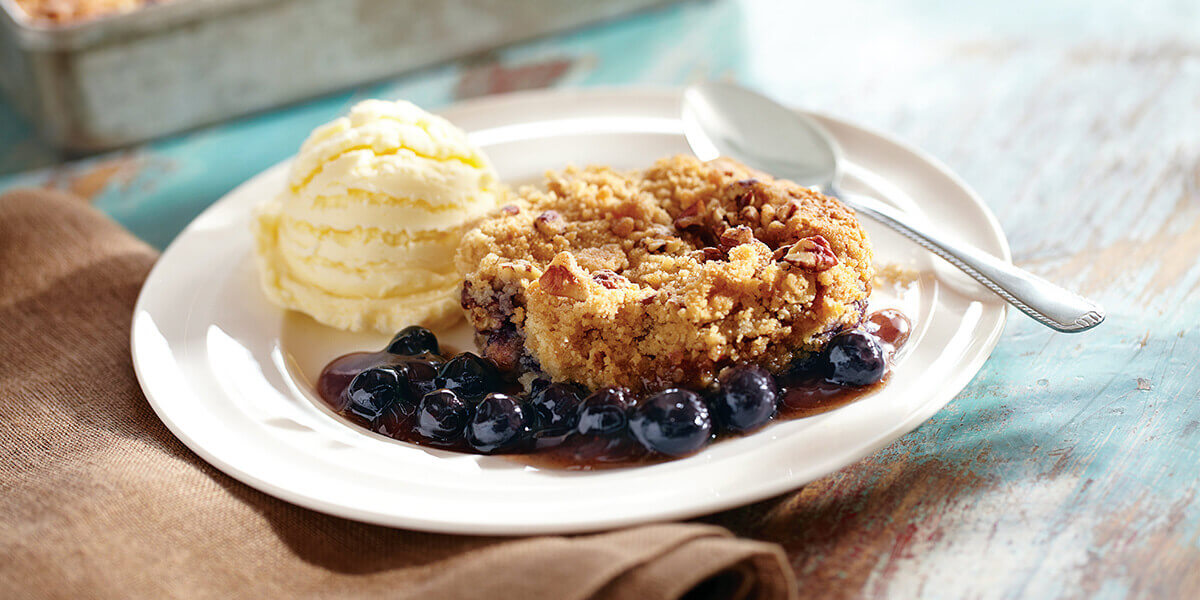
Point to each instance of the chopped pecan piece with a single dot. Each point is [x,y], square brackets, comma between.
[517,266]
[788,210]
[766,214]
[811,254]
[744,192]
[736,236]
[510,209]
[690,217]
[560,281]
[550,223]
[749,214]
[609,279]
[654,244]
[706,254]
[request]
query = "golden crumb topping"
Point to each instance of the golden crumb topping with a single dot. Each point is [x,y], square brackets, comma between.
[662,277]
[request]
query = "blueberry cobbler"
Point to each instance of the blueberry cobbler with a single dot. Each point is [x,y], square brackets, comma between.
[625,317]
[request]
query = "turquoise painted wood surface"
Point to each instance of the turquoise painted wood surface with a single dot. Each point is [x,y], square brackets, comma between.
[1069,467]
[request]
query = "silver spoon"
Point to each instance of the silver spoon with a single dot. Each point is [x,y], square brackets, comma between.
[723,119]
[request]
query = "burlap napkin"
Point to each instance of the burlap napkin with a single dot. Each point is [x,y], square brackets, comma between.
[99,500]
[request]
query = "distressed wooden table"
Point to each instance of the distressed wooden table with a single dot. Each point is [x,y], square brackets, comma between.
[1068,468]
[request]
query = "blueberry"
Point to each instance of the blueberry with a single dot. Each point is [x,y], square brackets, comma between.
[673,422]
[498,423]
[553,409]
[414,340]
[441,416]
[469,376]
[421,370]
[604,412]
[396,420]
[805,365]
[745,397]
[539,384]
[854,358]
[337,375]
[373,391]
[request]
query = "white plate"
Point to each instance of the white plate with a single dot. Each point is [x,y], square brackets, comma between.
[229,373]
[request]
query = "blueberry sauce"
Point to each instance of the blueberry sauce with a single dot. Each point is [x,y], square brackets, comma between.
[890,326]
[419,392]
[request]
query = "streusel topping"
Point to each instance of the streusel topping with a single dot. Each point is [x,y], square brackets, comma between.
[655,278]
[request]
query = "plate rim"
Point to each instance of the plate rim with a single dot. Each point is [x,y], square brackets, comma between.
[960,377]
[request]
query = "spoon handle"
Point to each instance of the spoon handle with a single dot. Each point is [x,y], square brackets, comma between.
[1047,303]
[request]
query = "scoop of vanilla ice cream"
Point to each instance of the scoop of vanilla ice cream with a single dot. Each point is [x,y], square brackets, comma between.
[364,236]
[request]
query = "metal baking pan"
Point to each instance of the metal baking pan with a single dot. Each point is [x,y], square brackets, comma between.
[171,66]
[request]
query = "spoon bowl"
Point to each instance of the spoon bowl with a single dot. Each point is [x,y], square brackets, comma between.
[728,120]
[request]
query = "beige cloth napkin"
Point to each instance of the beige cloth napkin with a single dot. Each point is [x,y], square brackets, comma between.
[99,500]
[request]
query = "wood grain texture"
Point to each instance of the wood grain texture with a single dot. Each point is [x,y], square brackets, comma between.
[1069,467]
